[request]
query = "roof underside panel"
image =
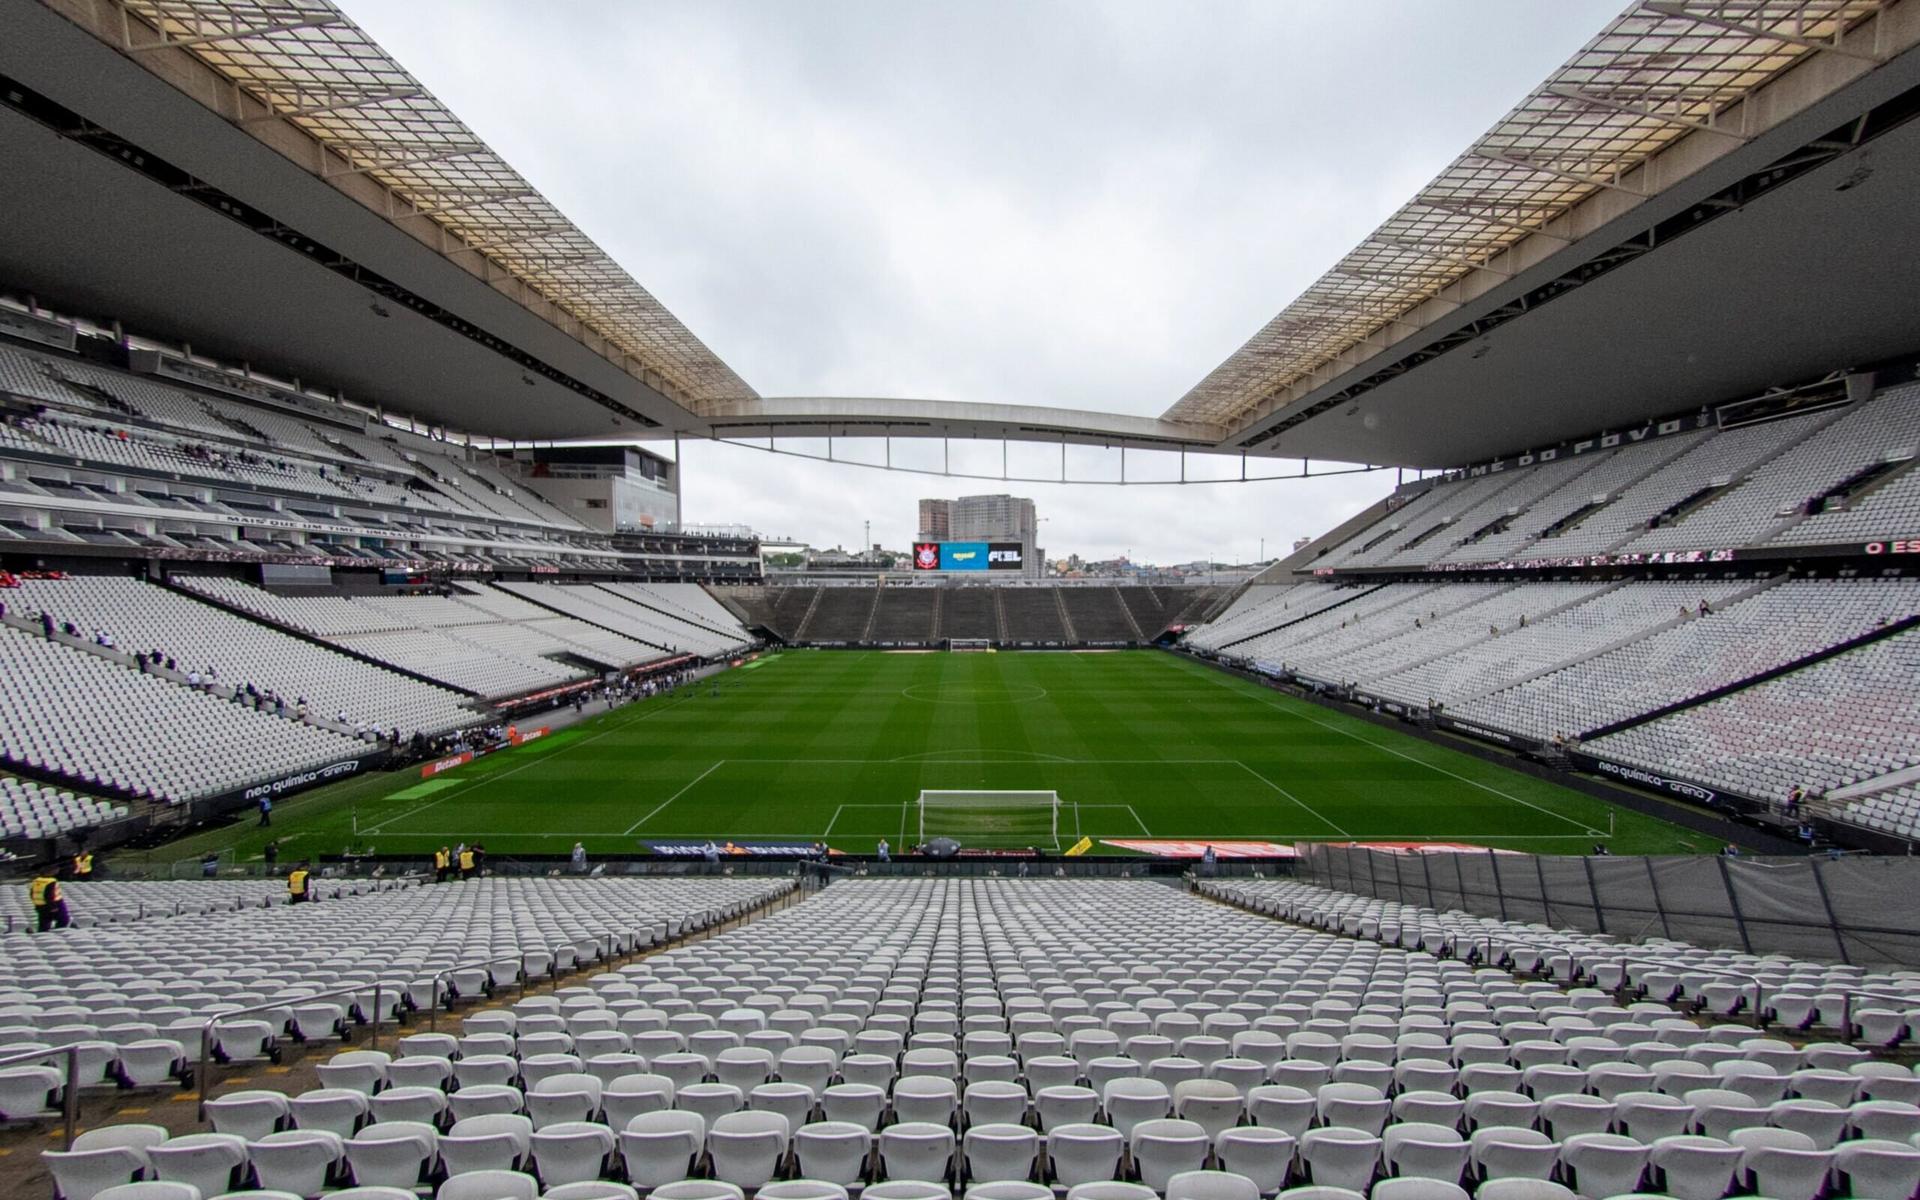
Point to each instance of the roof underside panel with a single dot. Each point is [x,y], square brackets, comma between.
[308,64]
[1661,71]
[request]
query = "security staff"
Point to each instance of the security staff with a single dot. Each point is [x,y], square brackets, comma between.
[466,862]
[442,860]
[297,891]
[48,904]
[83,865]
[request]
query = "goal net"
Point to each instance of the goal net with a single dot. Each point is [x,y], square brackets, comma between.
[1006,820]
[969,643]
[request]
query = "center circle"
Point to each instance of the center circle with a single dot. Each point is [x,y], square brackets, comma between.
[934,693]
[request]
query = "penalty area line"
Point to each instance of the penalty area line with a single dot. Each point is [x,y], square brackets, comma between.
[670,799]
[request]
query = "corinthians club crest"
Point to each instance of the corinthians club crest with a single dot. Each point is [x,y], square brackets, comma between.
[926,556]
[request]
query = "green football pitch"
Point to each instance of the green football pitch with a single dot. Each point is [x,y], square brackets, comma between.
[837,746]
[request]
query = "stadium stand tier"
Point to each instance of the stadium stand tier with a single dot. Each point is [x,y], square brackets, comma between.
[927,1038]
[95,456]
[906,615]
[1069,615]
[1698,607]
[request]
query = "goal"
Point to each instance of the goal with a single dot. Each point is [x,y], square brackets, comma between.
[969,643]
[991,819]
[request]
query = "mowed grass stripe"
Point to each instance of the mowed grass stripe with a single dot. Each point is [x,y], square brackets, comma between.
[849,739]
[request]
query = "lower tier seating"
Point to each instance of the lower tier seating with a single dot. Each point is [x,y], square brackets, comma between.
[1115,1040]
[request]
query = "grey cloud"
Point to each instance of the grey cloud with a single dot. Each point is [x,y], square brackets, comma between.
[1076,203]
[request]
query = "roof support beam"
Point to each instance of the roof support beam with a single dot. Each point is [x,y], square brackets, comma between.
[366,100]
[1479,213]
[399,164]
[1685,11]
[1438,252]
[1598,181]
[1640,110]
[232,35]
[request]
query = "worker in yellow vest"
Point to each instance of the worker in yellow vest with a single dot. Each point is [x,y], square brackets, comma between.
[49,905]
[442,862]
[466,862]
[83,865]
[297,890]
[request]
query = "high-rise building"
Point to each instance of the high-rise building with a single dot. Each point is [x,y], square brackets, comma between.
[999,518]
[936,521]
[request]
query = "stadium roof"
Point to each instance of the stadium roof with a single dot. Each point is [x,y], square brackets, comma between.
[1660,71]
[305,62]
[1714,195]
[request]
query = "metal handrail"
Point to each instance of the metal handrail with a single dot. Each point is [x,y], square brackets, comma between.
[1759,986]
[1846,1004]
[70,1093]
[433,996]
[203,1070]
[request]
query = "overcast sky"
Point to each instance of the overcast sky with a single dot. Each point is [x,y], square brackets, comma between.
[1083,204]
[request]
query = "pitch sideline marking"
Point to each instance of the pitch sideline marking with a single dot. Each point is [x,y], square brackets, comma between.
[814,836]
[1312,812]
[1580,825]
[670,799]
[553,754]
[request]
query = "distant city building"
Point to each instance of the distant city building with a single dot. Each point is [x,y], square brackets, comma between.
[936,521]
[999,518]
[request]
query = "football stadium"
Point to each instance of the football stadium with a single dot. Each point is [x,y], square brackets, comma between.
[401,799]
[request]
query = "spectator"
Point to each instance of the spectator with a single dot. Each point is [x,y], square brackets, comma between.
[1209,861]
[479,859]
[1795,798]
[1706,610]
[883,852]
[1730,851]
[579,859]
[710,852]
[209,864]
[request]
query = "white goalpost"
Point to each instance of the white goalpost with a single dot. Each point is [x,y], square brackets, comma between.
[991,819]
[969,643]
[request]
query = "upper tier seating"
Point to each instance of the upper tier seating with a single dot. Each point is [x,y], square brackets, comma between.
[1776,493]
[144,617]
[1710,489]
[920,1037]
